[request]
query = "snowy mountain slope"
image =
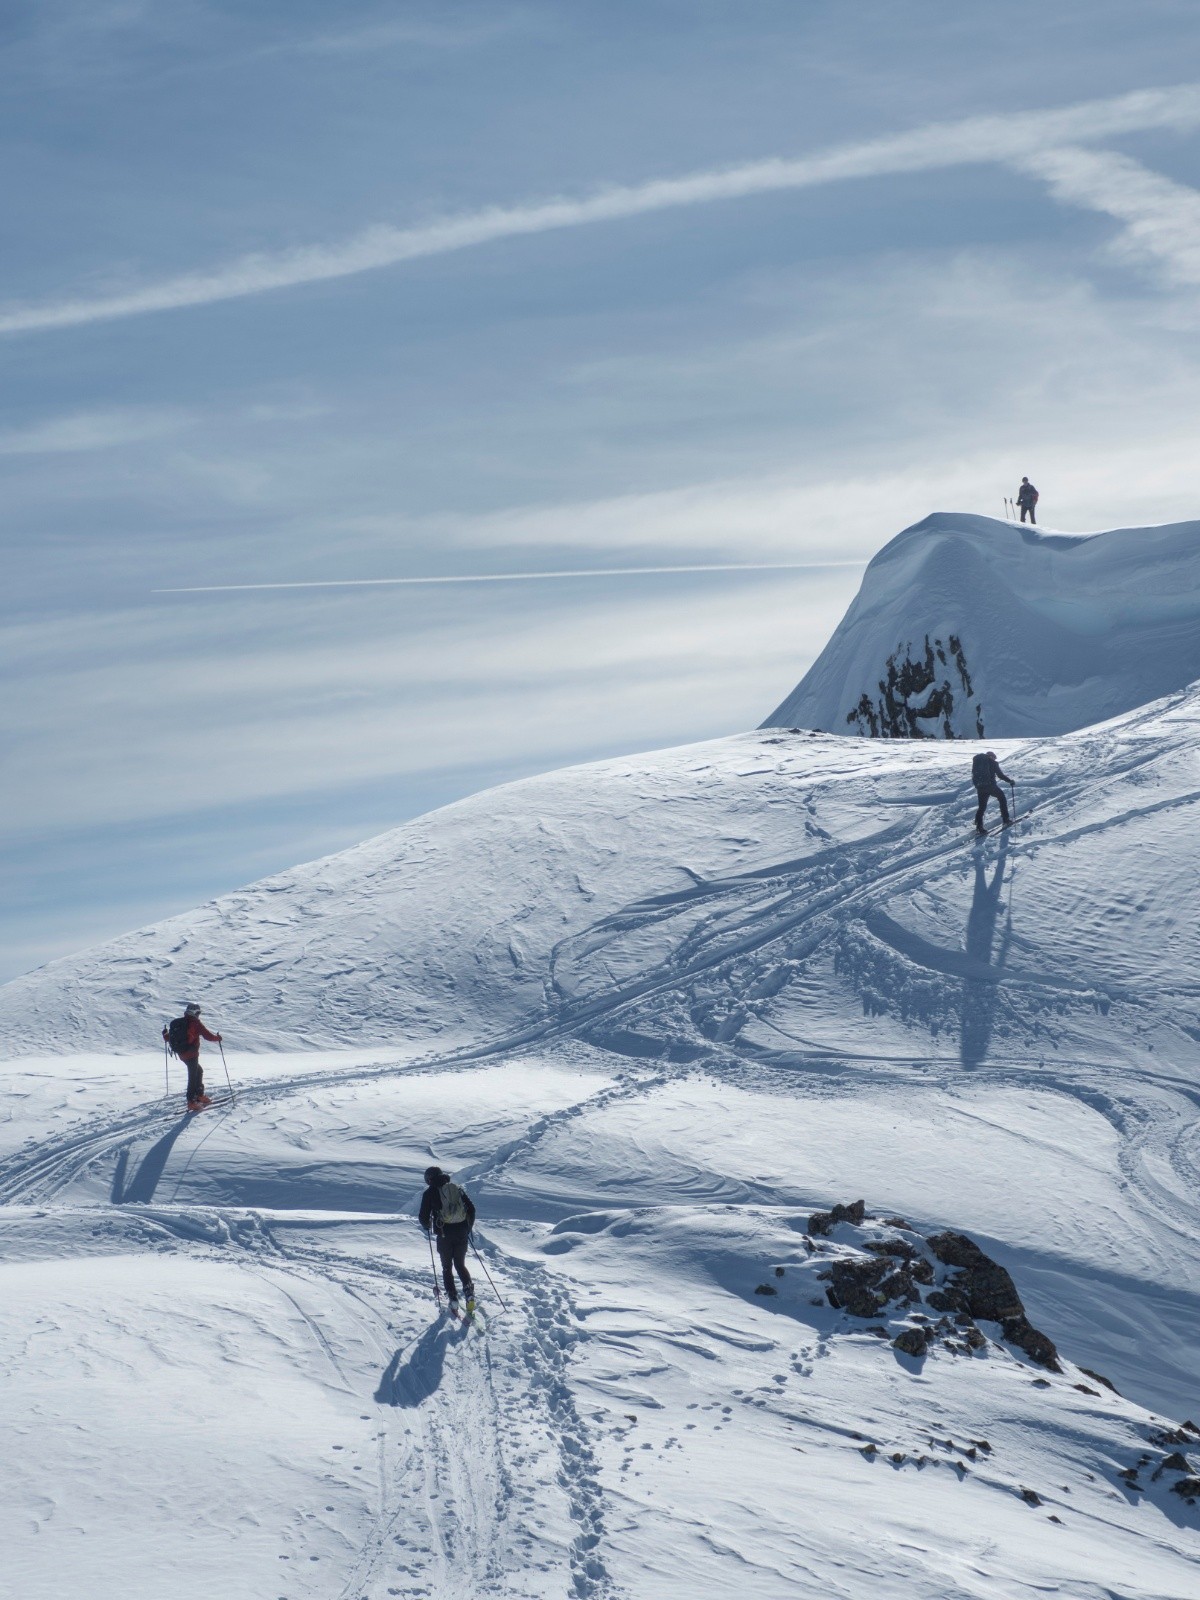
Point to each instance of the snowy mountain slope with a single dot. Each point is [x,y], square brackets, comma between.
[653,1013]
[639,1421]
[799,894]
[966,627]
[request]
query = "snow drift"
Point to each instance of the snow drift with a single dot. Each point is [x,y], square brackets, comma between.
[966,627]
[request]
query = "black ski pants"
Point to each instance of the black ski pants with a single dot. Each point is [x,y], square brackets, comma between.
[195,1086]
[1032,518]
[986,792]
[452,1247]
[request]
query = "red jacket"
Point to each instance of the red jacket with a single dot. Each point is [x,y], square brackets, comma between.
[195,1032]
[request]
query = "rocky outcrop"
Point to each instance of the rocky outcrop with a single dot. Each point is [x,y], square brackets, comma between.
[946,1274]
[822,1221]
[917,695]
[983,1288]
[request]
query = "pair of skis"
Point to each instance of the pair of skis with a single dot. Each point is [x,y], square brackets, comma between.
[978,838]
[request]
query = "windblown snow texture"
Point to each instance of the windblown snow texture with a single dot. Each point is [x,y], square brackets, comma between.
[967,628]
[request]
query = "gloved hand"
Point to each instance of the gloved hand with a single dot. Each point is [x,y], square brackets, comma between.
[218,1038]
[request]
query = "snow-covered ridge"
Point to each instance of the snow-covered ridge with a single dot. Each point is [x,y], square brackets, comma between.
[782,891]
[968,627]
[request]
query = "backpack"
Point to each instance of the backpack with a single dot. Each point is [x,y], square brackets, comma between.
[177,1035]
[981,770]
[453,1203]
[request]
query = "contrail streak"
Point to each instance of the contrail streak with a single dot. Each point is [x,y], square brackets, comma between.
[515,577]
[1004,138]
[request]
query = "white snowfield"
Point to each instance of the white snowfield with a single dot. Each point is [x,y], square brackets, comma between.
[969,626]
[652,1014]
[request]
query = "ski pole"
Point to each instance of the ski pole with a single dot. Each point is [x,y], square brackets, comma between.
[166,1071]
[437,1293]
[486,1273]
[228,1079]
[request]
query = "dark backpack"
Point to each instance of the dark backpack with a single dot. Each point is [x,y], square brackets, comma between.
[981,770]
[177,1035]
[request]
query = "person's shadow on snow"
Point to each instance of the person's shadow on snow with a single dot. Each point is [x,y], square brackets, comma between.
[981,994]
[140,1188]
[409,1382]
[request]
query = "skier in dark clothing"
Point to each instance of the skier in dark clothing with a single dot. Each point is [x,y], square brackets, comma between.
[985,770]
[449,1212]
[1027,498]
[187,1048]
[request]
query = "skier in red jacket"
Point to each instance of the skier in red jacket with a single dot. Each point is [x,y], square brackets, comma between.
[188,1051]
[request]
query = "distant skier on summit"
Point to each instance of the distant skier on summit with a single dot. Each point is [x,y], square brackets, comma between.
[1027,498]
[985,770]
[449,1212]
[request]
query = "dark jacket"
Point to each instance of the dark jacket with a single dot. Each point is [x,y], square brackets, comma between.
[985,769]
[1027,495]
[430,1215]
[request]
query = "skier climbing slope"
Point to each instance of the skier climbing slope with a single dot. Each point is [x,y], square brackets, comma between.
[183,1036]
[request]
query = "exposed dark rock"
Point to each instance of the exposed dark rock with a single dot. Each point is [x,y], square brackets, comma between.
[1175,1463]
[822,1221]
[1166,1436]
[765,1288]
[989,1290]
[1097,1377]
[948,1299]
[897,1222]
[913,1341]
[1037,1346]
[1084,1389]
[900,1248]
[1031,1497]
[912,702]
[990,1295]
[900,1286]
[1189,1488]
[854,1287]
[779,1272]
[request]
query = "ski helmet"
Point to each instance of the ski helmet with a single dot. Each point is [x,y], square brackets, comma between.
[191,1009]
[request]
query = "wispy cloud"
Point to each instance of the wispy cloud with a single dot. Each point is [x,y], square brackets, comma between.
[91,430]
[1161,217]
[1011,139]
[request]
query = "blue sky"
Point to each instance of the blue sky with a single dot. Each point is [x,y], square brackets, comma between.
[300,293]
